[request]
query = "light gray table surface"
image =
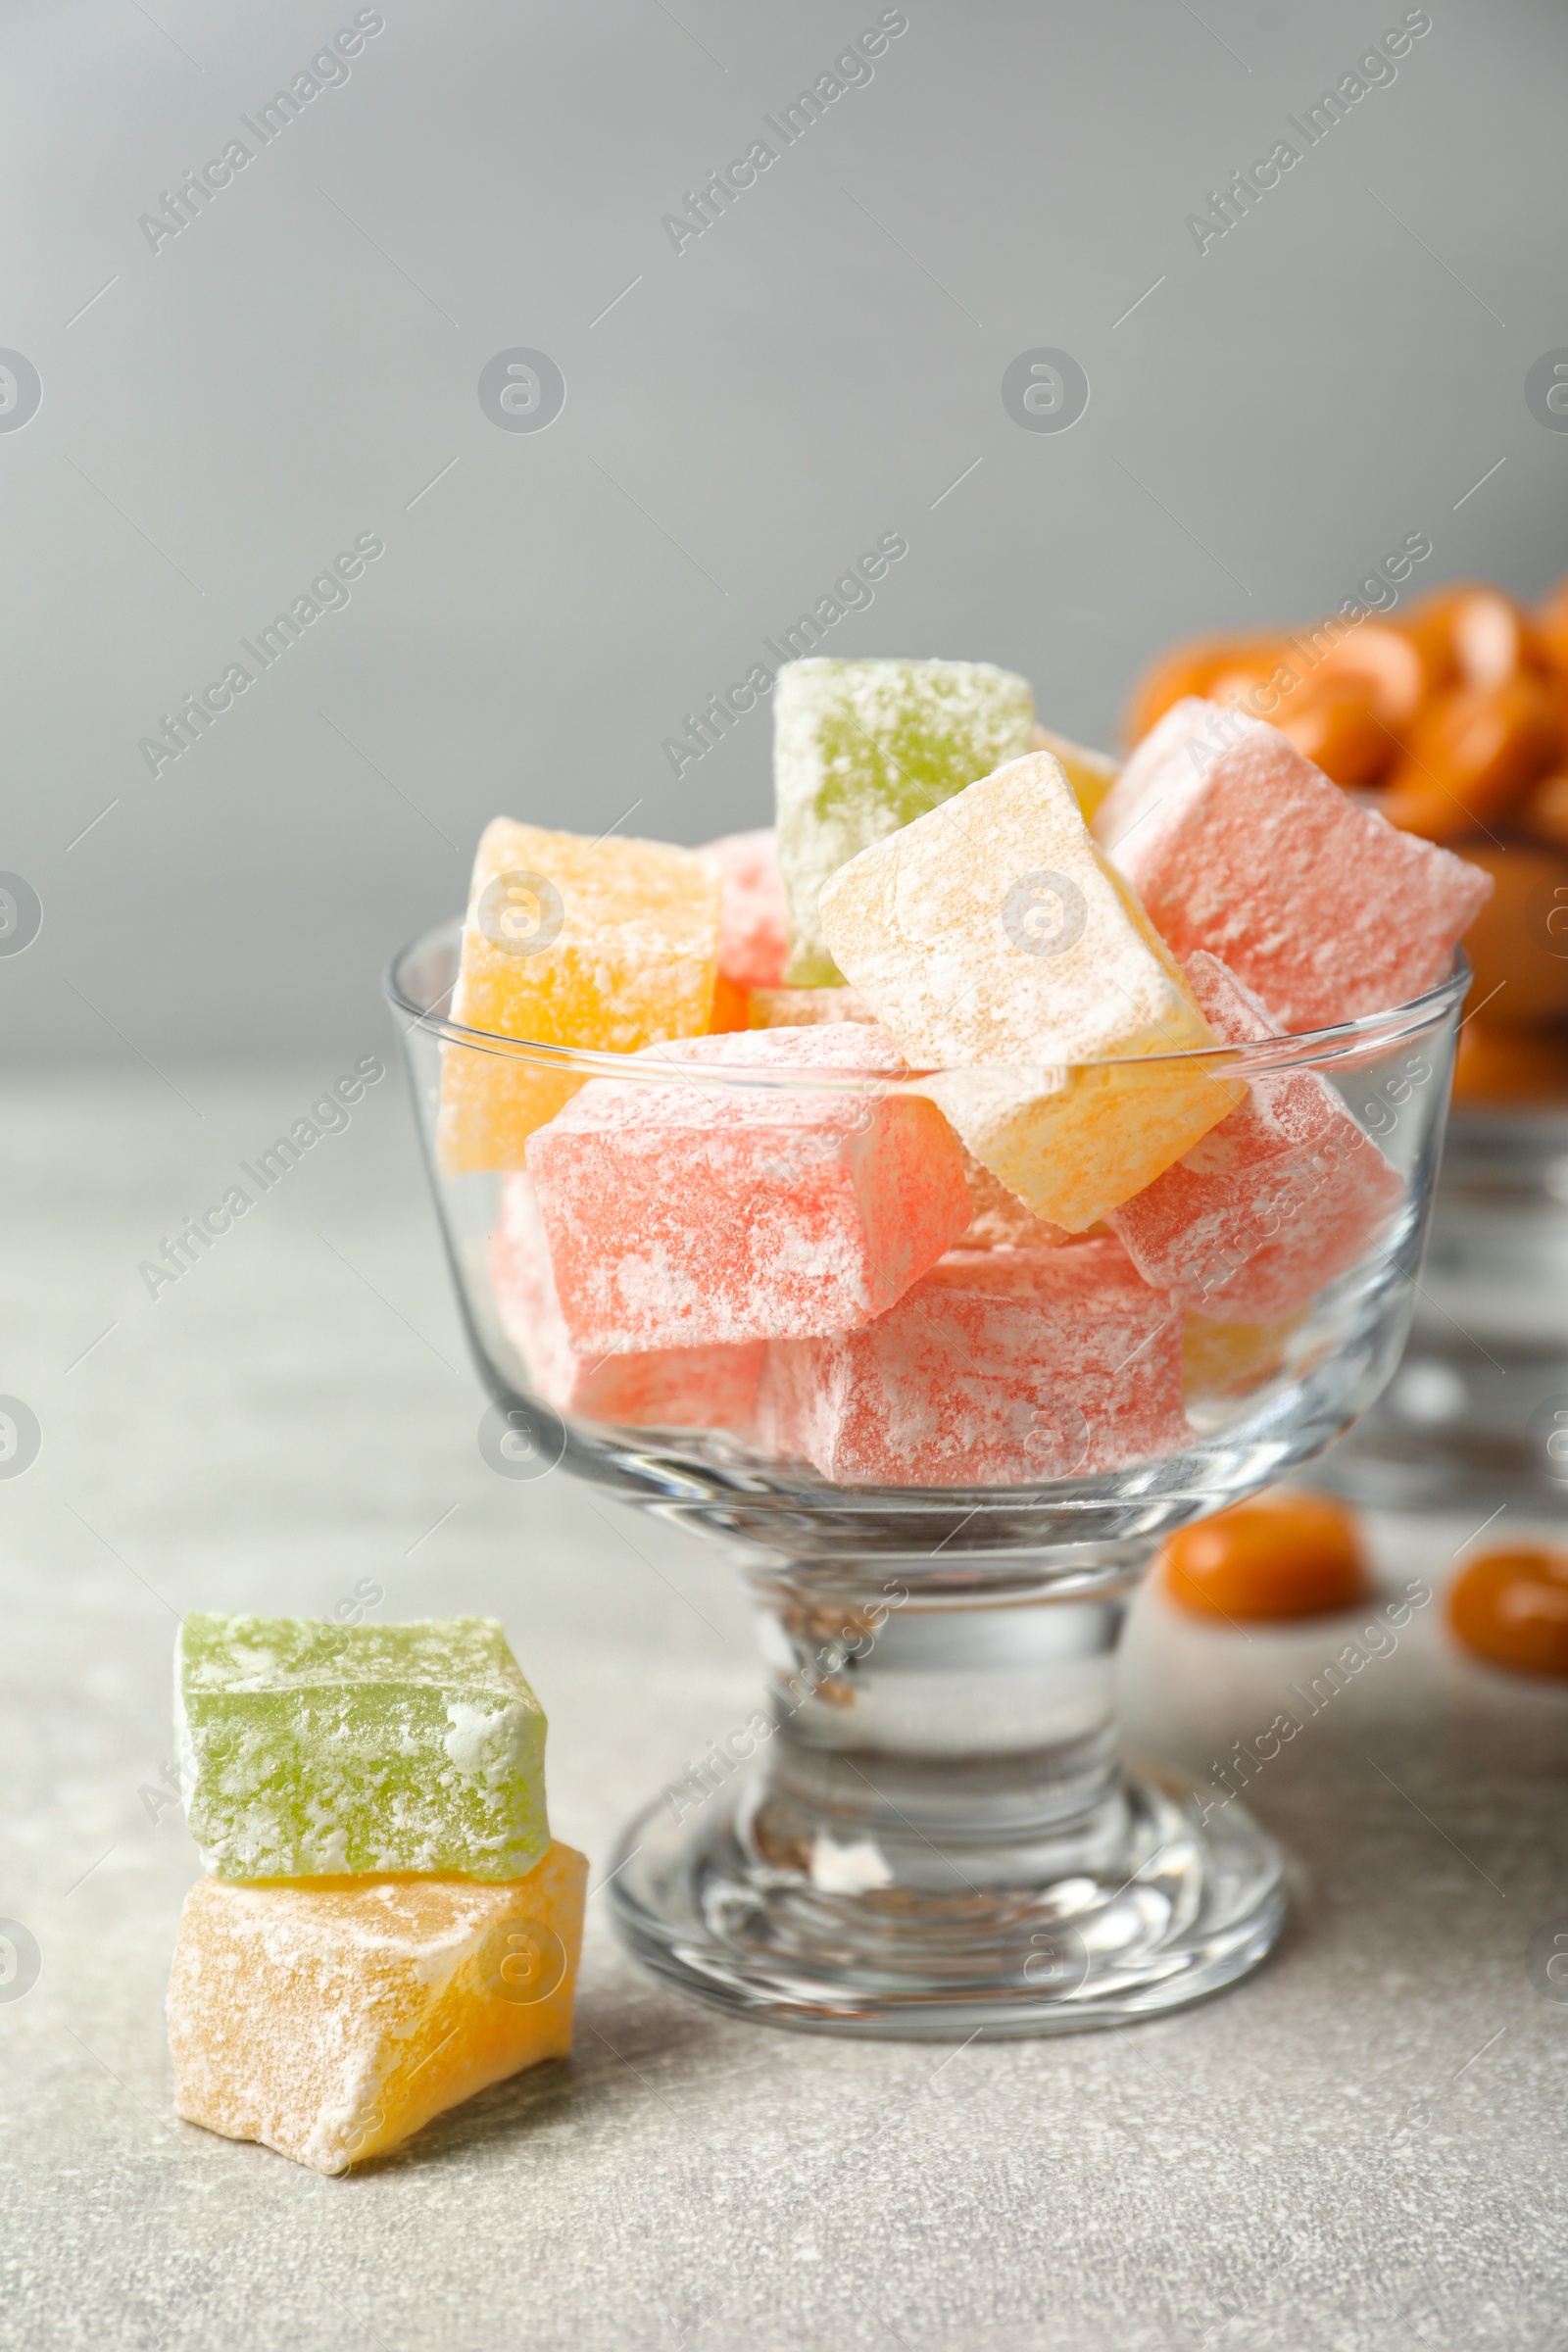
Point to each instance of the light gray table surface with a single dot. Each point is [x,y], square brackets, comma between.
[1363,2146]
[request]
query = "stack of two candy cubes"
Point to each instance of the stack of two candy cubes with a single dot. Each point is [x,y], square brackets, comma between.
[387,1927]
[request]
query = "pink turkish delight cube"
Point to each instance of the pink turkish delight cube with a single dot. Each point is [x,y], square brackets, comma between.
[662,1388]
[1236,843]
[752,937]
[999,1367]
[1280,1196]
[1179,744]
[784,1187]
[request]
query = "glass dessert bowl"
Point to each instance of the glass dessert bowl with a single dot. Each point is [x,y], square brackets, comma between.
[942,1511]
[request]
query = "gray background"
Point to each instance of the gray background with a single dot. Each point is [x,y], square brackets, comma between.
[297,365]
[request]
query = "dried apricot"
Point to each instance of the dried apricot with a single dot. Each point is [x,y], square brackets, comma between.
[1391,666]
[1470,755]
[1335,726]
[1429,624]
[1279,1555]
[1518,943]
[1491,640]
[1544,810]
[1499,1065]
[1511,1607]
[1192,668]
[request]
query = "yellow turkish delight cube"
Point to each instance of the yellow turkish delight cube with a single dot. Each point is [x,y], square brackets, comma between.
[330,2018]
[607,946]
[997,943]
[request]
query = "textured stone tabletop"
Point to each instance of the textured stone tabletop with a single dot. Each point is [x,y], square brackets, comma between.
[1362,2147]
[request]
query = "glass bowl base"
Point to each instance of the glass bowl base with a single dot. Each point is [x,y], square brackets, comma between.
[1159,1906]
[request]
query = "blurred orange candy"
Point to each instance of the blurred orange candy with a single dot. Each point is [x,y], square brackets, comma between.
[1512,1607]
[1192,668]
[1499,1065]
[1279,1556]
[1335,726]
[1391,665]
[1429,624]
[1470,755]
[1491,640]
[1521,963]
[1470,634]
[1544,810]
[1241,684]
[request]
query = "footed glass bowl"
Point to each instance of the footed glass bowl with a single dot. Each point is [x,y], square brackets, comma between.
[927,1829]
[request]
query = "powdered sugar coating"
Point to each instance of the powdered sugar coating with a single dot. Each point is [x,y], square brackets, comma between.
[806,1008]
[330,2020]
[314,1748]
[696,1215]
[999,1367]
[1178,744]
[625,954]
[672,1388]
[1237,844]
[936,927]
[861,748]
[1274,1202]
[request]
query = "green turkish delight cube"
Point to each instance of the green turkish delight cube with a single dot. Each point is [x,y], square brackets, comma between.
[310,1750]
[863,748]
